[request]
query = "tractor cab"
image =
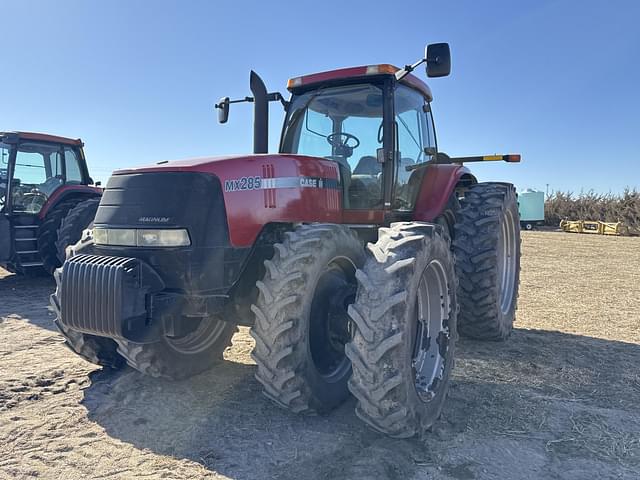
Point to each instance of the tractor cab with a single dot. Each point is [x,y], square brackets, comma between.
[375,127]
[373,121]
[34,166]
[36,171]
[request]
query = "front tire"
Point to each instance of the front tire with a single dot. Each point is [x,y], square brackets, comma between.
[182,357]
[487,249]
[301,322]
[404,342]
[170,358]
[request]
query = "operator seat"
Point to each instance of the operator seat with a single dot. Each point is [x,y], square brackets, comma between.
[368,165]
[366,183]
[406,187]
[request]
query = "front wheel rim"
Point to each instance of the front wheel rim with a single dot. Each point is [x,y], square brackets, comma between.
[206,334]
[432,338]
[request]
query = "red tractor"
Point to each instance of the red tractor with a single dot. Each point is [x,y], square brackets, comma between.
[356,254]
[46,199]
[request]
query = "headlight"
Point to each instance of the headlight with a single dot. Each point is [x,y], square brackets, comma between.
[163,238]
[137,237]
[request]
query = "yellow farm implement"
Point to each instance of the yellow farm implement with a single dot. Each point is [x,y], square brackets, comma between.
[588,226]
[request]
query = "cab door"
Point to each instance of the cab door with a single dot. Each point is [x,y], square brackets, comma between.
[38,171]
[414,145]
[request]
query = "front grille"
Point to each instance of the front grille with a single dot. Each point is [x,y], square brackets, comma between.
[173,199]
[188,200]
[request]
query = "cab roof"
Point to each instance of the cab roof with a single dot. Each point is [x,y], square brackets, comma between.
[44,137]
[356,72]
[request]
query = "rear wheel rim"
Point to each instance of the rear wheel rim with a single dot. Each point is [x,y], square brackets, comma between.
[432,337]
[507,262]
[329,323]
[207,333]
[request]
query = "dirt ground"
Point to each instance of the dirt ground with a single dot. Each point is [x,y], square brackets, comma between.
[560,399]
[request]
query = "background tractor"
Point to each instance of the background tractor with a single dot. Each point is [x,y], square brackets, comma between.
[183,252]
[46,199]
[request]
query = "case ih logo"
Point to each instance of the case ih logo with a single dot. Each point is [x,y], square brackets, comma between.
[154,219]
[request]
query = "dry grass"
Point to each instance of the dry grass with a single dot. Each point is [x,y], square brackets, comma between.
[582,284]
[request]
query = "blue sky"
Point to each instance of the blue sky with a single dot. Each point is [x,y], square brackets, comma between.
[557,81]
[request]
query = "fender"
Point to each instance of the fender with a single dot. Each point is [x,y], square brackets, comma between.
[65,192]
[438,183]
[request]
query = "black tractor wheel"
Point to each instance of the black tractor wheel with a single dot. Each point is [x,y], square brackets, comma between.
[448,216]
[48,236]
[405,334]
[177,358]
[487,249]
[94,349]
[172,358]
[301,321]
[77,219]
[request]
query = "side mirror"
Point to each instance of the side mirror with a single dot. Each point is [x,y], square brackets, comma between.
[223,110]
[438,58]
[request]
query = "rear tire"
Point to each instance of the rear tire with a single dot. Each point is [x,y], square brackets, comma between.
[448,216]
[487,249]
[76,221]
[48,237]
[301,322]
[404,342]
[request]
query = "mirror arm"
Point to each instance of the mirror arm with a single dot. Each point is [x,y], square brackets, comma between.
[272,97]
[400,74]
[277,97]
[245,99]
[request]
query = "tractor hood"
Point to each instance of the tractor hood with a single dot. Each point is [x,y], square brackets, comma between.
[253,191]
[213,165]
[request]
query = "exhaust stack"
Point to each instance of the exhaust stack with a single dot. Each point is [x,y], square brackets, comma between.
[260,114]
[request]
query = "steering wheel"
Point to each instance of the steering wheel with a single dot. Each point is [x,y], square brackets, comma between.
[340,144]
[335,140]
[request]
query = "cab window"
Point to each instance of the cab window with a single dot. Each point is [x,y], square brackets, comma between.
[37,174]
[73,172]
[342,124]
[430,134]
[412,135]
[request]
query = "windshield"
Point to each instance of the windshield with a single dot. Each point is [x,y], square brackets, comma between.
[343,124]
[353,110]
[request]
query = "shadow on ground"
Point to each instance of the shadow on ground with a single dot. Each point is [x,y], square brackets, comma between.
[27,297]
[544,404]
